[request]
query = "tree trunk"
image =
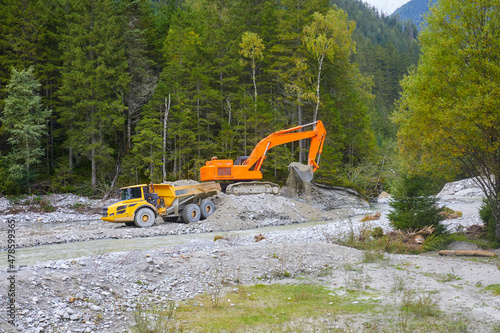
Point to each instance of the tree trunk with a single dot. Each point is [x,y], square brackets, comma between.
[28,164]
[320,65]
[495,209]
[165,120]
[70,159]
[254,93]
[198,130]
[245,134]
[151,164]
[299,112]
[129,128]
[229,111]
[93,163]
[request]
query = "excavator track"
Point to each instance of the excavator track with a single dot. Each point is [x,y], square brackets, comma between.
[246,188]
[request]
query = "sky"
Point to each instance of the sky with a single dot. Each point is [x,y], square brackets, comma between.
[387,6]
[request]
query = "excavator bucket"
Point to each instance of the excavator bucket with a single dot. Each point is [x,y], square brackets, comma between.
[301,172]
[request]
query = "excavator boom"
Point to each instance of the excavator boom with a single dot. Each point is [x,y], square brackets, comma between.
[247,168]
[317,136]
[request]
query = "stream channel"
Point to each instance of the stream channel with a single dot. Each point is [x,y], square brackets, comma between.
[73,250]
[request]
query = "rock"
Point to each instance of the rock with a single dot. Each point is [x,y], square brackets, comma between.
[329,197]
[384,197]
[59,312]
[465,187]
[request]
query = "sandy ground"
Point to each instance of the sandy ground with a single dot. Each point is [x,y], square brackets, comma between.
[99,293]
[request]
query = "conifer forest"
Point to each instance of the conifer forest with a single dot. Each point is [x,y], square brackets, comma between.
[97,94]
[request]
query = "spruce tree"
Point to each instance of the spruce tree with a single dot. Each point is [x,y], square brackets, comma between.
[413,206]
[25,121]
[94,82]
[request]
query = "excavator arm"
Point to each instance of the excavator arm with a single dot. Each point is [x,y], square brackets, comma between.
[248,168]
[317,136]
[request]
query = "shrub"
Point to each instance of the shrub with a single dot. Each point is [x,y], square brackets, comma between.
[377,232]
[450,214]
[436,243]
[486,216]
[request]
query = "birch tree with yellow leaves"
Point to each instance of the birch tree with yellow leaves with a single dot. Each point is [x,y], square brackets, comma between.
[448,117]
[328,37]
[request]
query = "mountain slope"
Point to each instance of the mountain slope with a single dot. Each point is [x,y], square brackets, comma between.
[414,10]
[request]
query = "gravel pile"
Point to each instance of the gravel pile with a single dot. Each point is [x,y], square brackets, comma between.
[100,294]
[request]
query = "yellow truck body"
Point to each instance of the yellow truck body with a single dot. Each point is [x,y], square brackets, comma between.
[140,205]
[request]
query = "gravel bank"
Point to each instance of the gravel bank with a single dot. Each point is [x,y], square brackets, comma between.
[99,293]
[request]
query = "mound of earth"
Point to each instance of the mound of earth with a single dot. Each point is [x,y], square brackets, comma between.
[253,211]
[321,196]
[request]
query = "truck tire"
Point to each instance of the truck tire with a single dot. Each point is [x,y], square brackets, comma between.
[191,213]
[207,208]
[144,218]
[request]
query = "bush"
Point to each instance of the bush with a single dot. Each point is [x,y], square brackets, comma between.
[436,243]
[413,206]
[377,232]
[486,216]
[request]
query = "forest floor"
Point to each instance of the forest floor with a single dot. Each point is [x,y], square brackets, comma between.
[101,292]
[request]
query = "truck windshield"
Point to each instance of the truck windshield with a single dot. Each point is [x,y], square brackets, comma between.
[130,193]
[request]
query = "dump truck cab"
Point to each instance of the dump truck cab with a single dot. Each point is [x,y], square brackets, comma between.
[132,198]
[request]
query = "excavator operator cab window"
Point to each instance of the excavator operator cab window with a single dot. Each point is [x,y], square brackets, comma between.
[240,160]
[130,193]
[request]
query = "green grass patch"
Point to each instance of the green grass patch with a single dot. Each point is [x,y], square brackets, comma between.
[494,288]
[460,237]
[298,308]
[265,305]
[442,277]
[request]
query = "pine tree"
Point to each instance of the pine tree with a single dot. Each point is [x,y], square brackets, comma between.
[25,121]
[94,82]
[140,63]
[413,208]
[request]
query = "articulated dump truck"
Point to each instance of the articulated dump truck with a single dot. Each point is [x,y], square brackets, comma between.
[140,205]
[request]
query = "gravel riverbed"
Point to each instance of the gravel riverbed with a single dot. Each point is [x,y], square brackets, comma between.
[99,293]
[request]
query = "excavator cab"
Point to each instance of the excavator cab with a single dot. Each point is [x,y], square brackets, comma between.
[240,160]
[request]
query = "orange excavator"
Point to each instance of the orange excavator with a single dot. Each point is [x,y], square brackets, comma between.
[243,173]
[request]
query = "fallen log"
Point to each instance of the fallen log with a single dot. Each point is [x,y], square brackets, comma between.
[465,253]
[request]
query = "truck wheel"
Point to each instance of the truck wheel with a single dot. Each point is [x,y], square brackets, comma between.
[144,218]
[207,208]
[191,213]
